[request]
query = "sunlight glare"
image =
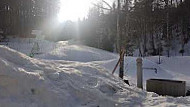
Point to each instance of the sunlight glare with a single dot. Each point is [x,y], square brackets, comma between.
[73,9]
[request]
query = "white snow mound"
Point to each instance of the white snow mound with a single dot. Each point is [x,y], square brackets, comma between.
[79,53]
[27,82]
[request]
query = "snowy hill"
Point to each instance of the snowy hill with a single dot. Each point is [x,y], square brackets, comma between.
[25,45]
[62,77]
[80,53]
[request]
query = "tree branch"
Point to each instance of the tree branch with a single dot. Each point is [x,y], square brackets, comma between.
[107,4]
[101,7]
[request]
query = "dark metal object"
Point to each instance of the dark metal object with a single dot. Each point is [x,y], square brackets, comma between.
[188,93]
[155,69]
[127,82]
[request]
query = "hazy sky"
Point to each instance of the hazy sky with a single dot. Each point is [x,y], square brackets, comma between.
[74,9]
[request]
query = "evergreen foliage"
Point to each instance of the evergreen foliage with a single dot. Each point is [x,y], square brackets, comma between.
[150,26]
[20,17]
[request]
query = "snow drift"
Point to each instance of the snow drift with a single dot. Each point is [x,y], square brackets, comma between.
[45,83]
[81,53]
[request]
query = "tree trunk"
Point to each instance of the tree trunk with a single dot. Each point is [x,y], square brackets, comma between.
[118,27]
[119,42]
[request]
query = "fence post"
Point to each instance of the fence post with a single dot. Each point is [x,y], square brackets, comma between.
[139,73]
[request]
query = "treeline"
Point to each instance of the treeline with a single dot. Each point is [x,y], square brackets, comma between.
[19,17]
[153,27]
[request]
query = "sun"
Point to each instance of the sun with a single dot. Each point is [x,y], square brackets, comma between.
[73,9]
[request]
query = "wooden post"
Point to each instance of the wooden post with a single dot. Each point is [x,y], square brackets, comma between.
[119,42]
[139,73]
[121,68]
[118,62]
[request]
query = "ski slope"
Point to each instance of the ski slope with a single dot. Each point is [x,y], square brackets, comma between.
[72,75]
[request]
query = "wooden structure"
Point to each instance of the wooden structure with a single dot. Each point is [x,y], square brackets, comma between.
[166,87]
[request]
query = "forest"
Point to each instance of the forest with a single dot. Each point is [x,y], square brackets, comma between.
[21,17]
[153,27]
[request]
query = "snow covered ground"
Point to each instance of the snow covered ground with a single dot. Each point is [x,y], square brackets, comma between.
[70,75]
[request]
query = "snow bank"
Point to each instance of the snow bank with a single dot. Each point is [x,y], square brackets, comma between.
[170,69]
[175,68]
[20,86]
[79,53]
[25,45]
[46,83]
[80,76]
[178,67]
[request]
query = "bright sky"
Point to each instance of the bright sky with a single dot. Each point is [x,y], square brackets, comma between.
[74,9]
